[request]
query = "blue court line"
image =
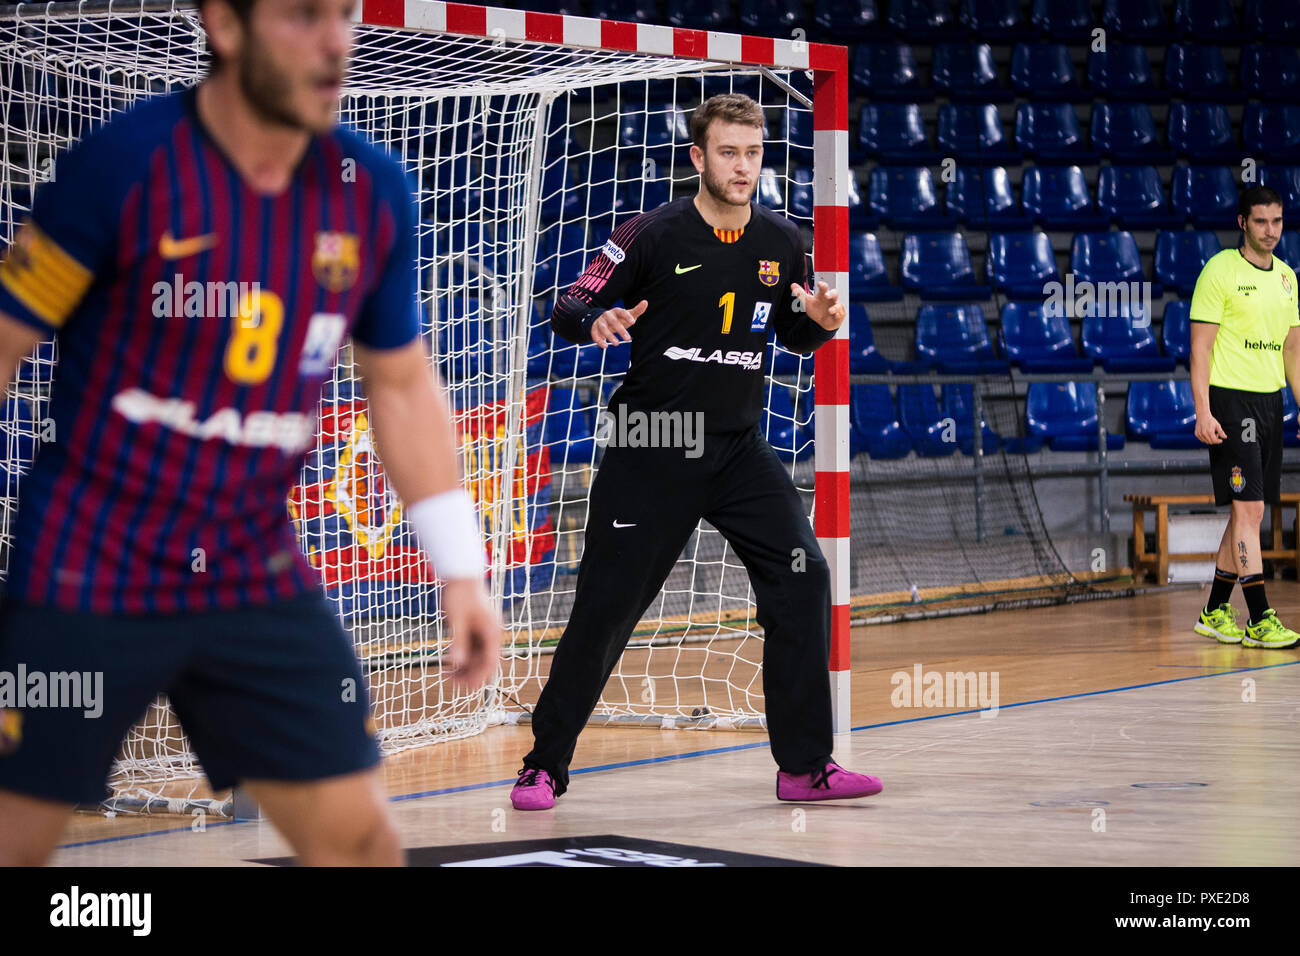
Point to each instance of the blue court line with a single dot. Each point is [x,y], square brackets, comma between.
[732,749]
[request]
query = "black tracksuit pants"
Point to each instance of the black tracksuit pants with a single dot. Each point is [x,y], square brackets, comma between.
[657,496]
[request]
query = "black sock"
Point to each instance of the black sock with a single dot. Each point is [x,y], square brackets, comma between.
[1221,589]
[1252,585]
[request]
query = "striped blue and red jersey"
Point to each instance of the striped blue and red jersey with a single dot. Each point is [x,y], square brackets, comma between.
[197,321]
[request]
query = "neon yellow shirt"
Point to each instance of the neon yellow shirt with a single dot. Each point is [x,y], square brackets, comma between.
[1253,308]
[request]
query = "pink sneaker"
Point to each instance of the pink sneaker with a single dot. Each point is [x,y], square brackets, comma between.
[832,782]
[535,790]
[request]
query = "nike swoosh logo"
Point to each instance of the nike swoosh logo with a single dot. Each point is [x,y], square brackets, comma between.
[170,248]
[617,525]
[682,272]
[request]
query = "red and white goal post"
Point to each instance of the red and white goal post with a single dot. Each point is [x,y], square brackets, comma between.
[526,135]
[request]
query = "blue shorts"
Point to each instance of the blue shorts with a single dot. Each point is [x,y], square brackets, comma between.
[264,693]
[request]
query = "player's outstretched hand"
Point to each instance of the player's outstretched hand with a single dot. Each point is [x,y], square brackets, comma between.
[475,628]
[1208,430]
[612,326]
[824,308]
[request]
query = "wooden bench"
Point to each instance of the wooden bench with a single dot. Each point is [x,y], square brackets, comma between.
[1157,563]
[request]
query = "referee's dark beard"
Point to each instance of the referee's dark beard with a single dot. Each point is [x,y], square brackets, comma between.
[718,189]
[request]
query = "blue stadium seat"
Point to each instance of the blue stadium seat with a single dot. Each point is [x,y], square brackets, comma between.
[905,198]
[1065,415]
[1271,72]
[1127,131]
[1058,198]
[655,133]
[1021,263]
[1290,439]
[1162,413]
[868,278]
[895,132]
[1135,20]
[921,18]
[1198,71]
[784,432]
[601,182]
[955,338]
[770,192]
[1286,180]
[958,403]
[938,266]
[642,195]
[1036,336]
[781,361]
[1272,131]
[462,349]
[864,357]
[565,251]
[1107,257]
[1134,198]
[796,142]
[999,21]
[841,20]
[1044,71]
[982,198]
[1122,72]
[1288,249]
[700,15]
[1122,339]
[769,17]
[567,427]
[888,71]
[1210,20]
[1180,257]
[972,133]
[1176,331]
[1063,19]
[1207,195]
[924,423]
[1273,21]
[874,423]
[1202,132]
[1050,132]
[965,72]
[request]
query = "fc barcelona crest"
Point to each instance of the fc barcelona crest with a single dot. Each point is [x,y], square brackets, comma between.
[336,260]
[1238,480]
[769,271]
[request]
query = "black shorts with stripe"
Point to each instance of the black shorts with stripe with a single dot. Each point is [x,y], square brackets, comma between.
[272,692]
[1247,464]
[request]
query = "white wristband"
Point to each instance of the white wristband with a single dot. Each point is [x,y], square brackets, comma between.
[447,527]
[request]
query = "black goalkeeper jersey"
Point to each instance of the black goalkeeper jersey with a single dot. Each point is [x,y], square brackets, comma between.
[700,344]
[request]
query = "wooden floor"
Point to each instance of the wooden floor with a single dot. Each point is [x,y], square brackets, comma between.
[1097,701]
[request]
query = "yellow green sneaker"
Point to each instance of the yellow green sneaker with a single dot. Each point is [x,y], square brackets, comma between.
[1269,632]
[1220,624]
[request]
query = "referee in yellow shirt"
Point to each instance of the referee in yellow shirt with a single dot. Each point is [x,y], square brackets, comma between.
[1245,349]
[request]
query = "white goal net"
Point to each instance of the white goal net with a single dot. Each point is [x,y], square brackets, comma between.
[525,157]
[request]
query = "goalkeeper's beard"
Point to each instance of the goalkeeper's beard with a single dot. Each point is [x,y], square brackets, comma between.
[718,190]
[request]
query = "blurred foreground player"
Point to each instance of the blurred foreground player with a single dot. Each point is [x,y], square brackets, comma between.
[1245,349]
[707,274]
[181,428]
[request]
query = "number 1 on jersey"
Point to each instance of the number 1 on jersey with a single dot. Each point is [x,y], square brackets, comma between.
[728,305]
